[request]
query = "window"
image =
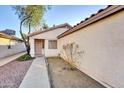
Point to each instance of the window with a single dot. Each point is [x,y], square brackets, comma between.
[52,44]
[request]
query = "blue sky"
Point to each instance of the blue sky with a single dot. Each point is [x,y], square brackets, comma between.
[59,14]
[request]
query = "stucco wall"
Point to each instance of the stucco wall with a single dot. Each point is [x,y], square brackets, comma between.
[50,52]
[102,50]
[50,35]
[5,41]
[4,51]
[32,47]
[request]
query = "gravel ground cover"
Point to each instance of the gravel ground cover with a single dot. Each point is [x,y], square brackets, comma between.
[12,74]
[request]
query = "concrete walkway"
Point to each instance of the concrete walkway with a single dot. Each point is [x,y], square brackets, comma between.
[6,60]
[37,75]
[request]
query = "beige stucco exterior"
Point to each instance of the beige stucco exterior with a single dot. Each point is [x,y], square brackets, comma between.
[46,36]
[101,45]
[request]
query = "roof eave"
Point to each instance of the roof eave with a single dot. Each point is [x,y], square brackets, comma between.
[52,28]
[100,15]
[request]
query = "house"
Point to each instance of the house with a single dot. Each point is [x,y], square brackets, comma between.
[45,42]
[10,45]
[96,46]
[8,39]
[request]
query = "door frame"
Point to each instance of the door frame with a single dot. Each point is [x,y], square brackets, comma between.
[42,45]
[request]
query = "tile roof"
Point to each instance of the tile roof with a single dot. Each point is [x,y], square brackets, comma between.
[50,29]
[9,37]
[102,13]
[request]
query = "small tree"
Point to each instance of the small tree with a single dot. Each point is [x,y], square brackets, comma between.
[45,26]
[30,16]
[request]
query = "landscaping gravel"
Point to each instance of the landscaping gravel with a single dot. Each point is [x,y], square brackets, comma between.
[12,74]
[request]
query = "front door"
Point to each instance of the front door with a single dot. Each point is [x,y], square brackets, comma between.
[38,47]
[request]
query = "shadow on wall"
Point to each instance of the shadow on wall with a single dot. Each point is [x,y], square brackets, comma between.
[71,53]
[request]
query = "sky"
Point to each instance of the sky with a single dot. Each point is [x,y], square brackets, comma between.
[58,14]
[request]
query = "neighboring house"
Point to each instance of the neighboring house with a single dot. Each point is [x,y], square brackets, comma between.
[96,46]
[8,39]
[45,42]
[10,45]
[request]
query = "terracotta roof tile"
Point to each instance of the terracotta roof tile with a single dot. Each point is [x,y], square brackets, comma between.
[102,13]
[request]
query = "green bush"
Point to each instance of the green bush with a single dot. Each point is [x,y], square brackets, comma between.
[24,57]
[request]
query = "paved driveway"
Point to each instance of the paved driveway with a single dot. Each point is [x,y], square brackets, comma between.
[6,60]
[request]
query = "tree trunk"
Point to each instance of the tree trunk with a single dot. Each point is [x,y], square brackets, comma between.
[27,45]
[28,50]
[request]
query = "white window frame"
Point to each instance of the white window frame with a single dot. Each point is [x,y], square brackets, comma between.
[52,46]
